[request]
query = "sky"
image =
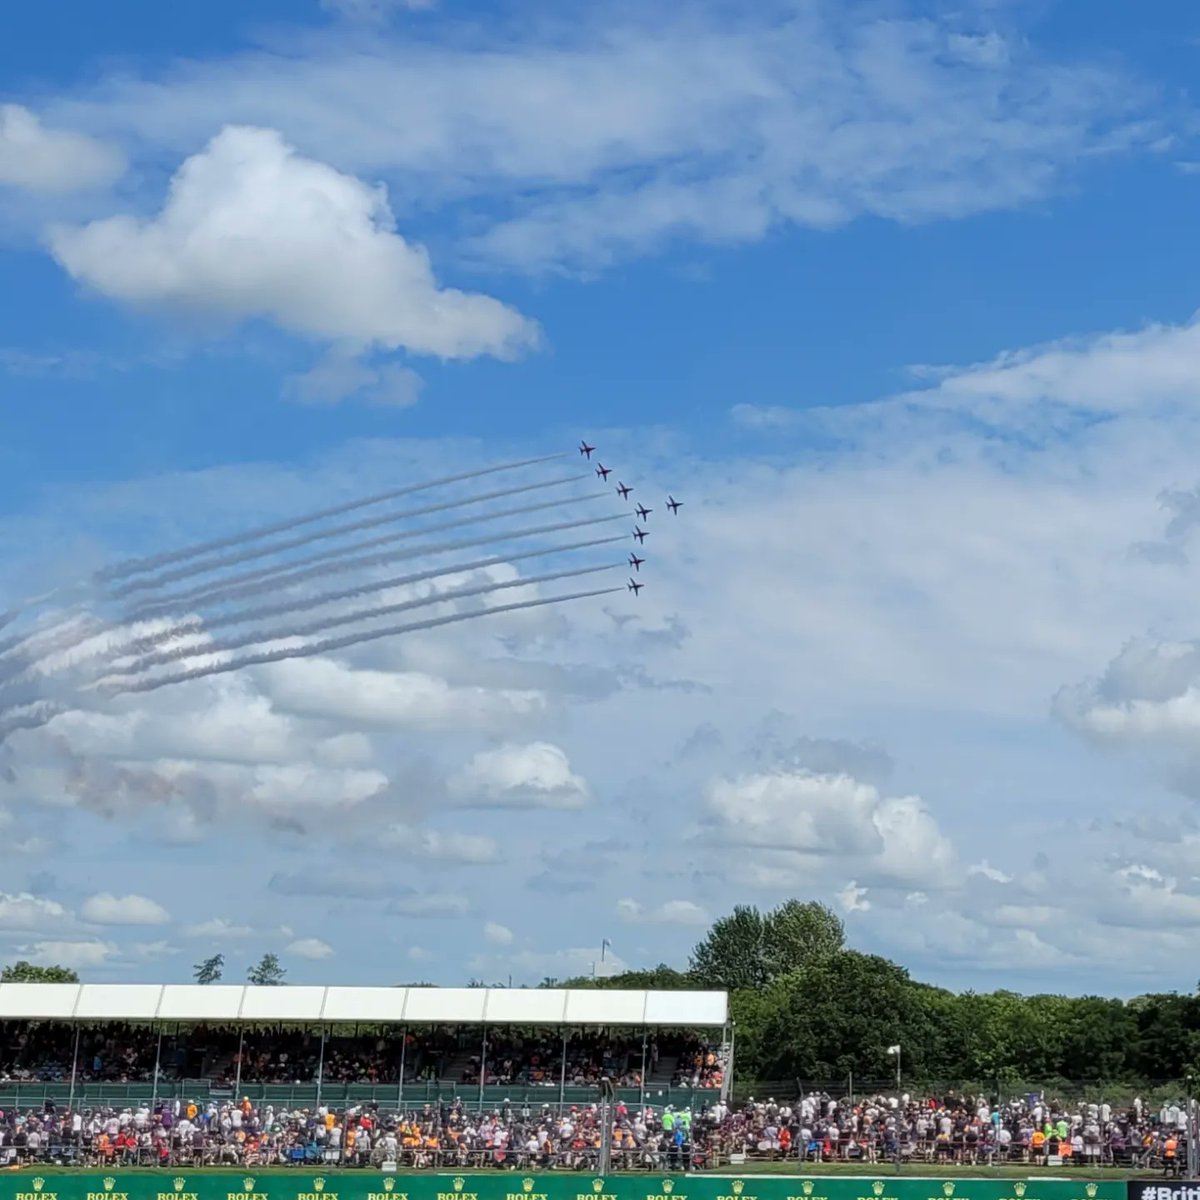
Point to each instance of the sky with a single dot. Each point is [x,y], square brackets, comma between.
[899,298]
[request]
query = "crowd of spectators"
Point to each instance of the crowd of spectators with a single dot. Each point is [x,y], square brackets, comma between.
[815,1128]
[45,1051]
[188,1134]
[956,1129]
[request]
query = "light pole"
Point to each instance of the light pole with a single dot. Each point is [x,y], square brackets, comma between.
[894,1051]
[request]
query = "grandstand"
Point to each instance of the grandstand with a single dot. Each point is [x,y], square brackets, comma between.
[297,1045]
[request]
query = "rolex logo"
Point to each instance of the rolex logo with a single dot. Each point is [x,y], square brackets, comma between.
[947,1188]
[1019,1190]
[459,1183]
[179,1182]
[1091,1189]
[668,1186]
[248,1183]
[877,1187]
[38,1184]
[388,1184]
[318,1184]
[109,1183]
[597,1186]
[807,1187]
[737,1187]
[527,1185]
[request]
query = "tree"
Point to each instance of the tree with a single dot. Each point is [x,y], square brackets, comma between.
[800,933]
[267,972]
[209,971]
[751,950]
[24,972]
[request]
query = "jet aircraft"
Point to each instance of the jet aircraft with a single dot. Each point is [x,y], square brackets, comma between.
[673,504]
[642,511]
[640,534]
[635,587]
[603,471]
[635,562]
[585,449]
[623,491]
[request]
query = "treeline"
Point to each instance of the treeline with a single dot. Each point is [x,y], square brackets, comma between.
[807,1007]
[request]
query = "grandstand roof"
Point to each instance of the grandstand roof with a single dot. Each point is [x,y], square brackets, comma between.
[353,1005]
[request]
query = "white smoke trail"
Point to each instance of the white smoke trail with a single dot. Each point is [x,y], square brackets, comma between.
[225,591]
[351,548]
[221,561]
[259,637]
[152,562]
[328,645]
[243,616]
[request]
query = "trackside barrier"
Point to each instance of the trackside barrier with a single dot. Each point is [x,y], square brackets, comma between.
[298,1184]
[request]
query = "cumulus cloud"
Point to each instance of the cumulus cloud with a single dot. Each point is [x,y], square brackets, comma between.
[23,911]
[218,929]
[896,839]
[38,158]
[536,775]
[498,935]
[670,912]
[77,955]
[311,948]
[852,898]
[253,230]
[340,376]
[106,909]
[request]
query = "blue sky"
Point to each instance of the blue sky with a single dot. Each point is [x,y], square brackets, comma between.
[900,295]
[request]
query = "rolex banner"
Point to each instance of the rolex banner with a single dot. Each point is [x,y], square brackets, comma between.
[298,1184]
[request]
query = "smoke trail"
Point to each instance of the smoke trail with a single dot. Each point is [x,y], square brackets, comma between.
[258,637]
[42,714]
[221,561]
[133,566]
[368,544]
[230,589]
[329,645]
[244,616]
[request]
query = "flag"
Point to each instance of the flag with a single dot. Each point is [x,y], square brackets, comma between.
[893,1050]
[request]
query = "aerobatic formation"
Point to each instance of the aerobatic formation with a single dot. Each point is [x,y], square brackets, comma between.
[250,598]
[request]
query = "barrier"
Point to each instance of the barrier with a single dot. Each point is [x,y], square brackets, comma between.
[299,1184]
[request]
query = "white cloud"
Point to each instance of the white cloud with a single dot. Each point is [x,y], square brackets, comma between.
[22,911]
[76,955]
[106,909]
[852,899]
[251,229]
[40,159]
[670,912]
[537,775]
[218,929]
[321,687]
[420,954]
[498,935]
[892,840]
[311,948]
[632,128]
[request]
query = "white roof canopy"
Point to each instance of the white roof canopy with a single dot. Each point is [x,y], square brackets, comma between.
[360,1005]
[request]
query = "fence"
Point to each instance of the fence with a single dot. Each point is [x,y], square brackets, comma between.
[339,1095]
[499,1185]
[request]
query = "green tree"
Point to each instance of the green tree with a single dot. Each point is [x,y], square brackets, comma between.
[799,933]
[749,949]
[24,972]
[209,971]
[267,972]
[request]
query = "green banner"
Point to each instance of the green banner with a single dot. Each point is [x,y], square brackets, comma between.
[511,1185]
